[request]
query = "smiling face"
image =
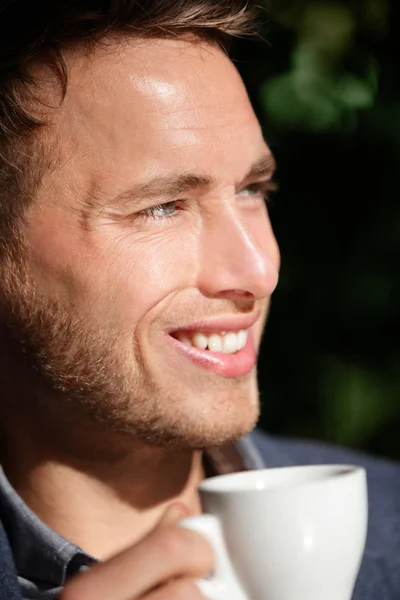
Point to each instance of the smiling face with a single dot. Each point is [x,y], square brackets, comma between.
[152,259]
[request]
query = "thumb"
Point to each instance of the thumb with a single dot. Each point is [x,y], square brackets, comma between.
[174,513]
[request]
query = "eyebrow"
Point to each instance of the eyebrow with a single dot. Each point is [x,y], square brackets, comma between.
[263,167]
[182,183]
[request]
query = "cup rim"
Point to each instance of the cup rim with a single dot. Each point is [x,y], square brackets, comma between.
[329,473]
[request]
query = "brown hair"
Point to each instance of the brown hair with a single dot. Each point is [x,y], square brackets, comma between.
[40,31]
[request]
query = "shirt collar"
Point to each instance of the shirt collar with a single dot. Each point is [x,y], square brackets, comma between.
[39,553]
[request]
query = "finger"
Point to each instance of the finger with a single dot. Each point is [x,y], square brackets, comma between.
[165,554]
[182,589]
[174,513]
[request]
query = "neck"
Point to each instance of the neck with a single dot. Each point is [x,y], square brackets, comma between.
[105,506]
[101,491]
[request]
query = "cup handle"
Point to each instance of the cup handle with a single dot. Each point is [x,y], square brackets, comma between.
[222,584]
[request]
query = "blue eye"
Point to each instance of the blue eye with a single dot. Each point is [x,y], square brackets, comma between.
[161,211]
[251,191]
[256,189]
[261,190]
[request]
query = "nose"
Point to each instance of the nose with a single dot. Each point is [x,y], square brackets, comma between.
[239,256]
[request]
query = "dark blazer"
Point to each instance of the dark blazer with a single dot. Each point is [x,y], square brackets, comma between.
[380,573]
[8,581]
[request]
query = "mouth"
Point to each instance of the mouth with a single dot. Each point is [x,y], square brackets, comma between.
[224,348]
[224,342]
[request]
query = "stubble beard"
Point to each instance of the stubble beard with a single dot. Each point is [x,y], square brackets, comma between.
[87,383]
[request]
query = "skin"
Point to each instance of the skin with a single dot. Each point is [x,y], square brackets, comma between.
[108,427]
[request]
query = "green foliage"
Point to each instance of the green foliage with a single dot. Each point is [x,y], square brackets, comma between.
[355,401]
[326,87]
[316,93]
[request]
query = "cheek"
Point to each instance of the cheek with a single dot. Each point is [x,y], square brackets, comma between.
[139,274]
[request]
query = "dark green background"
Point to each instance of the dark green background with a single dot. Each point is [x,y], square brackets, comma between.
[326,86]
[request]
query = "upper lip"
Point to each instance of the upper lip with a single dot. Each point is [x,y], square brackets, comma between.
[220,324]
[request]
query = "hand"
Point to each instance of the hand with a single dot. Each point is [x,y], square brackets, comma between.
[163,566]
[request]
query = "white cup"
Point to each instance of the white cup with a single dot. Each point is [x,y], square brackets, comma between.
[296,533]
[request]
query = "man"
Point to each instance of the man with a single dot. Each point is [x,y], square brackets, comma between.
[137,266]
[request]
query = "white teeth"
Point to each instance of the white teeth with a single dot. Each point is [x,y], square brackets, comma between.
[242,339]
[200,341]
[228,343]
[215,343]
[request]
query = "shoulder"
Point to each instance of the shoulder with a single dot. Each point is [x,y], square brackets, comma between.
[310,452]
[380,573]
[8,579]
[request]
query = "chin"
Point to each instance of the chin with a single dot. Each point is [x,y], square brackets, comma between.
[198,425]
[216,427]
[226,433]
[193,416]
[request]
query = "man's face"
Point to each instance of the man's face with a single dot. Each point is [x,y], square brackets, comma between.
[150,240]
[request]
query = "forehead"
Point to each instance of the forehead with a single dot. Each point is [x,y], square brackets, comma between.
[148,105]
